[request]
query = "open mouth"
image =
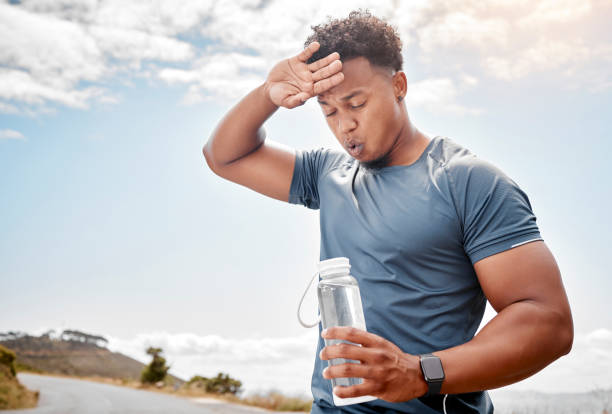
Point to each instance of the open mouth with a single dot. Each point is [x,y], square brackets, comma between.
[354,148]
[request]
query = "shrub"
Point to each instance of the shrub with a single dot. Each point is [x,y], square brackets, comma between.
[157,370]
[221,384]
[7,357]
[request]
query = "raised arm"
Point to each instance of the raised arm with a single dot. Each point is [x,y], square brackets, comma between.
[238,150]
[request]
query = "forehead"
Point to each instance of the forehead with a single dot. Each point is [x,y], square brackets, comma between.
[359,73]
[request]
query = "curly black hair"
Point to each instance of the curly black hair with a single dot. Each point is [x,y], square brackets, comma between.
[361,34]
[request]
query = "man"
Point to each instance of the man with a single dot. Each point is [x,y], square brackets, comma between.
[431,231]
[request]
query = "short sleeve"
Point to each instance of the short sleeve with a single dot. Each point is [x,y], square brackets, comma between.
[309,167]
[496,214]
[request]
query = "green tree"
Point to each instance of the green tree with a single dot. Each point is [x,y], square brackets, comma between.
[157,369]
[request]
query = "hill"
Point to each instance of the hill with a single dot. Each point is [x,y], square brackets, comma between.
[12,393]
[72,353]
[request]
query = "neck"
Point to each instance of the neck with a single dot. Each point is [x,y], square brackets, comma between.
[408,146]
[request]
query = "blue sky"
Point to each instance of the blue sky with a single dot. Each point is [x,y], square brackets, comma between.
[112,223]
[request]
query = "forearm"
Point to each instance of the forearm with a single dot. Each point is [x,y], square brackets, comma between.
[240,132]
[521,340]
[533,327]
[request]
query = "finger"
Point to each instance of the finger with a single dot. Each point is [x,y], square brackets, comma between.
[353,370]
[305,54]
[348,333]
[328,83]
[296,100]
[347,351]
[327,71]
[315,66]
[365,388]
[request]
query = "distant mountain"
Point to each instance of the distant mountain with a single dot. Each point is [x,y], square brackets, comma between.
[72,353]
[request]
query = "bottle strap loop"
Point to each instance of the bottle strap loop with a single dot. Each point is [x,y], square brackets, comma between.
[304,324]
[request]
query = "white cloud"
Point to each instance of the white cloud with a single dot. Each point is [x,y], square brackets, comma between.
[50,48]
[557,11]
[73,10]
[439,95]
[275,30]
[57,48]
[512,40]
[10,134]
[8,108]
[458,29]
[22,86]
[131,44]
[219,75]
[152,16]
[47,58]
[546,55]
[260,363]
[54,51]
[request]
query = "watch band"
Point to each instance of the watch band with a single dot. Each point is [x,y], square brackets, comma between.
[432,372]
[434,388]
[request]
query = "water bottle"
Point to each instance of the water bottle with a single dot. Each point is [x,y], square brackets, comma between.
[339,305]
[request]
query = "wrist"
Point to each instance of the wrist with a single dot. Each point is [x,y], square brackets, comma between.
[433,373]
[420,387]
[265,92]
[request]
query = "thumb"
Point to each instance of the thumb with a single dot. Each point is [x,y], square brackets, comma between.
[297,99]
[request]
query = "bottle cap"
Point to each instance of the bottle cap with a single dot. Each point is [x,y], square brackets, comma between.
[337,265]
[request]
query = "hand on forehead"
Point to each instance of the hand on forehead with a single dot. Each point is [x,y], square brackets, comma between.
[359,76]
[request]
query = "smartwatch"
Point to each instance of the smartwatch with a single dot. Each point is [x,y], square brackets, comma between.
[433,373]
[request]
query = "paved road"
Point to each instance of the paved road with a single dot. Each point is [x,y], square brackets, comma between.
[72,396]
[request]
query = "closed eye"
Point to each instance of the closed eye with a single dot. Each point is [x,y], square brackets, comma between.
[352,107]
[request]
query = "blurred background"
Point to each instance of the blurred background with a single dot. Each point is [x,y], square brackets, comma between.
[111,222]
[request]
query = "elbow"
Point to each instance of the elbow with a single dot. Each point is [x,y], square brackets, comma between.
[565,333]
[206,153]
[209,158]
[568,336]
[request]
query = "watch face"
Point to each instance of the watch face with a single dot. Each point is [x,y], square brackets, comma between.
[432,369]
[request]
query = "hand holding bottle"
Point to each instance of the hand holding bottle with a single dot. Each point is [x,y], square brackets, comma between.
[388,373]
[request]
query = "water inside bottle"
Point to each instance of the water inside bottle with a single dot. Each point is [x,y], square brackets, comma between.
[340,305]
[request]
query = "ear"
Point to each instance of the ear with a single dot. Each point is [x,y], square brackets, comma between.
[400,85]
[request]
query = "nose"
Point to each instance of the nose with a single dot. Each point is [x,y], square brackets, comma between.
[346,123]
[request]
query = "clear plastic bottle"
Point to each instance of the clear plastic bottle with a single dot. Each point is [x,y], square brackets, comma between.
[340,305]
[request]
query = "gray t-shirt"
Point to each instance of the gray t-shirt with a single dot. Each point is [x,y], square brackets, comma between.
[412,234]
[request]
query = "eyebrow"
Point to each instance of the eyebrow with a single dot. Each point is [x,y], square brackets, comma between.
[346,98]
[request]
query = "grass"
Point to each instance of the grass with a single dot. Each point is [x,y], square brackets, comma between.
[273,400]
[279,402]
[12,393]
[21,367]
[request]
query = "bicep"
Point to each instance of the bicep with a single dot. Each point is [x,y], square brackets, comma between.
[268,170]
[524,273]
